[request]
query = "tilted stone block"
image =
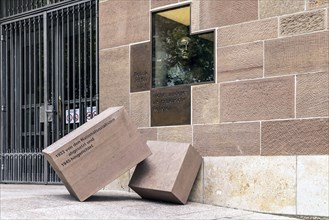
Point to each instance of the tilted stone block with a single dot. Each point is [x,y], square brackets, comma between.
[168,174]
[96,153]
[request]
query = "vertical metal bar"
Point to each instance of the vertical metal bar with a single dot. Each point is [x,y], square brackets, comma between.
[40,80]
[68,69]
[2,164]
[4,93]
[74,69]
[30,87]
[97,55]
[62,74]
[79,65]
[58,83]
[12,87]
[45,78]
[24,74]
[91,56]
[85,57]
[35,84]
[20,86]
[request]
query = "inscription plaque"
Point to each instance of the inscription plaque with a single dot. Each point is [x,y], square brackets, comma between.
[140,67]
[96,153]
[171,106]
[168,174]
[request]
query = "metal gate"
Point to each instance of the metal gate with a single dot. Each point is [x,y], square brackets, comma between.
[49,84]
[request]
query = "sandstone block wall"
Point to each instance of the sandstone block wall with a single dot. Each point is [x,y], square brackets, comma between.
[267,111]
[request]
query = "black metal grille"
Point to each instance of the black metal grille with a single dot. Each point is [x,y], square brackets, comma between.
[49,71]
[13,7]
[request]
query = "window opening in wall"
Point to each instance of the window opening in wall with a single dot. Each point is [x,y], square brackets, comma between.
[178,56]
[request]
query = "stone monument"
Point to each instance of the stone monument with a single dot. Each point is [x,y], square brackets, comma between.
[96,153]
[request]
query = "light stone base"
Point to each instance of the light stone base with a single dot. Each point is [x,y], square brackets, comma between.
[276,184]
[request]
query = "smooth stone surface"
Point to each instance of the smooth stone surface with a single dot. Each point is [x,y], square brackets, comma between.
[168,174]
[181,134]
[96,153]
[313,185]
[51,202]
[171,105]
[265,184]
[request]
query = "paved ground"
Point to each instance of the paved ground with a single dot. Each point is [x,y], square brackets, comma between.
[54,202]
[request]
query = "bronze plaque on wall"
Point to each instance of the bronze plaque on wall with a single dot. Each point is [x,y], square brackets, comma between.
[140,67]
[171,106]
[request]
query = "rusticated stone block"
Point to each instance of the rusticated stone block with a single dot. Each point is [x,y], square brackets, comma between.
[140,108]
[227,139]
[302,23]
[257,99]
[205,104]
[168,174]
[225,12]
[248,32]
[291,137]
[182,134]
[114,77]
[270,8]
[298,54]
[240,62]
[317,4]
[123,22]
[159,3]
[96,153]
[312,95]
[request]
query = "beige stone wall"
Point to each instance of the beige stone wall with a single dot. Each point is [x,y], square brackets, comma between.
[263,126]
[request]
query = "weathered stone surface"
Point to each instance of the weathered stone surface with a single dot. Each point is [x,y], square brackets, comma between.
[171,106]
[149,133]
[257,99]
[312,95]
[123,22]
[227,139]
[110,139]
[159,3]
[270,8]
[240,62]
[114,78]
[299,54]
[248,32]
[120,183]
[295,137]
[182,134]
[205,104]
[264,184]
[317,4]
[140,67]
[224,12]
[302,23]
[313,185]
[168,174]
[140,108]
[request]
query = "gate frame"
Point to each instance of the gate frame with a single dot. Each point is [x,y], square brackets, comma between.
[43,11]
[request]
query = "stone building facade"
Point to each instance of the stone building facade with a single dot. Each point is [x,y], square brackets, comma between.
[263,126]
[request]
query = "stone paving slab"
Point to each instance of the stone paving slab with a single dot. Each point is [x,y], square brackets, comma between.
[54,202]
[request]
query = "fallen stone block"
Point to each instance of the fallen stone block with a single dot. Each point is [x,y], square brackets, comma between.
[97,152]
[168,174]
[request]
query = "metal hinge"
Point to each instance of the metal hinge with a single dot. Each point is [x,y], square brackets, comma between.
[1,38]
[2,167]
[3,108]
